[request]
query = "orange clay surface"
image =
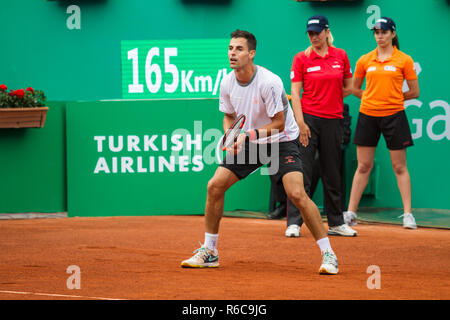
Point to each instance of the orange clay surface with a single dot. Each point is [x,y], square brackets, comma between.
[139,258]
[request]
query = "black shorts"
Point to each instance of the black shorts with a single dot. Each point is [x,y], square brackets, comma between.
[395,129]
[281,158]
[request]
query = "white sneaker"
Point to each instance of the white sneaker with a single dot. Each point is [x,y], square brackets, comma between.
[329,263]
[203,258]
[350,218]
[408,221]
[342,230]
[292,230]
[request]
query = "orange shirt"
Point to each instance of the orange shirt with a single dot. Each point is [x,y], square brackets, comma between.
[383,95]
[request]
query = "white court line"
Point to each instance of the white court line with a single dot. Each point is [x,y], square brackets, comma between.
[56,295]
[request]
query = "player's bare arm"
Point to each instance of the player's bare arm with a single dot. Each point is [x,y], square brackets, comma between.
[274,127]
[228,120]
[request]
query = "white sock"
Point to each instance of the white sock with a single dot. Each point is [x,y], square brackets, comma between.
[211,241]
[324,244]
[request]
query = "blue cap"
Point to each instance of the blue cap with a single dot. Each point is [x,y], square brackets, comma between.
[384,23]
[317,23]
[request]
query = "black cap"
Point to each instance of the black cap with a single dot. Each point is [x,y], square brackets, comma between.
[317,23]
[384,23]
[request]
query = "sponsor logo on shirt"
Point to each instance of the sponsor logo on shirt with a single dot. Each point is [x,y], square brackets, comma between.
[312,69]
[289,159]
[292,75]
[371,69]
[390,68]
[336,66]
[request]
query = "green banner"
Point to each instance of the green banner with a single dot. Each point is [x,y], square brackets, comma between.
[131,158]
[168,69]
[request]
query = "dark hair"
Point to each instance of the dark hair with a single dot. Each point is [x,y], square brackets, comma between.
[251,40]
[395,41]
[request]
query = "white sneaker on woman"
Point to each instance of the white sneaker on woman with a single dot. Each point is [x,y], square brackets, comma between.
[292,230]
[408,221]
[350,218]
[342,230]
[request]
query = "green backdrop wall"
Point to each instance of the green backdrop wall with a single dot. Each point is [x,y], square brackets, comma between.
[47,48]
[33,166]
[149,157]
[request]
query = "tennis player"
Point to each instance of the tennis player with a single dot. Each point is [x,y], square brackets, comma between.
[382,111]
[258,94]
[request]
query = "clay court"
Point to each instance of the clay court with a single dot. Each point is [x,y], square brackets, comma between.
[139,258]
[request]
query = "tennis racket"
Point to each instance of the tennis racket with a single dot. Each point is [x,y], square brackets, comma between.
[232,133]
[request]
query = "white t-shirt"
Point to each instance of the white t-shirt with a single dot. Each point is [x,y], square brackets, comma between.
[259,101]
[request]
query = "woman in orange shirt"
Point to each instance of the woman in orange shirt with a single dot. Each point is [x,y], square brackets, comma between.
[382,111]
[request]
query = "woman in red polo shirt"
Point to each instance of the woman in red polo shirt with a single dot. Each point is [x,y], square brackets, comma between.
[382,111]
[323,72]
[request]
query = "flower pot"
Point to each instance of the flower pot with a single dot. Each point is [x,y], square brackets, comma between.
[23,117]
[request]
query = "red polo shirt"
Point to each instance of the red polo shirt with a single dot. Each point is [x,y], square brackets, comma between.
[322,79]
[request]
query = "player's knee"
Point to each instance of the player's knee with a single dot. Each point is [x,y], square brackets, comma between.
[298,197]
[215,188]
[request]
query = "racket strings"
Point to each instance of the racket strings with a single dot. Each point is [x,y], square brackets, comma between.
[233,134]
[231,138]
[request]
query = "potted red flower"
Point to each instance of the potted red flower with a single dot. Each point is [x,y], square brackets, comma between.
[22,108]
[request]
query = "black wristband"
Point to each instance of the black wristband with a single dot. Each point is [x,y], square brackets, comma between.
[247,136]
[250,137]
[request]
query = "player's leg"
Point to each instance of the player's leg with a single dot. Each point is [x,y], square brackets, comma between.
[222,180]
[308,156]
[207,256]
[294,217]
[232,169]
[293,184]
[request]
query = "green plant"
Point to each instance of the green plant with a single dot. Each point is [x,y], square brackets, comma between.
[28,98]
